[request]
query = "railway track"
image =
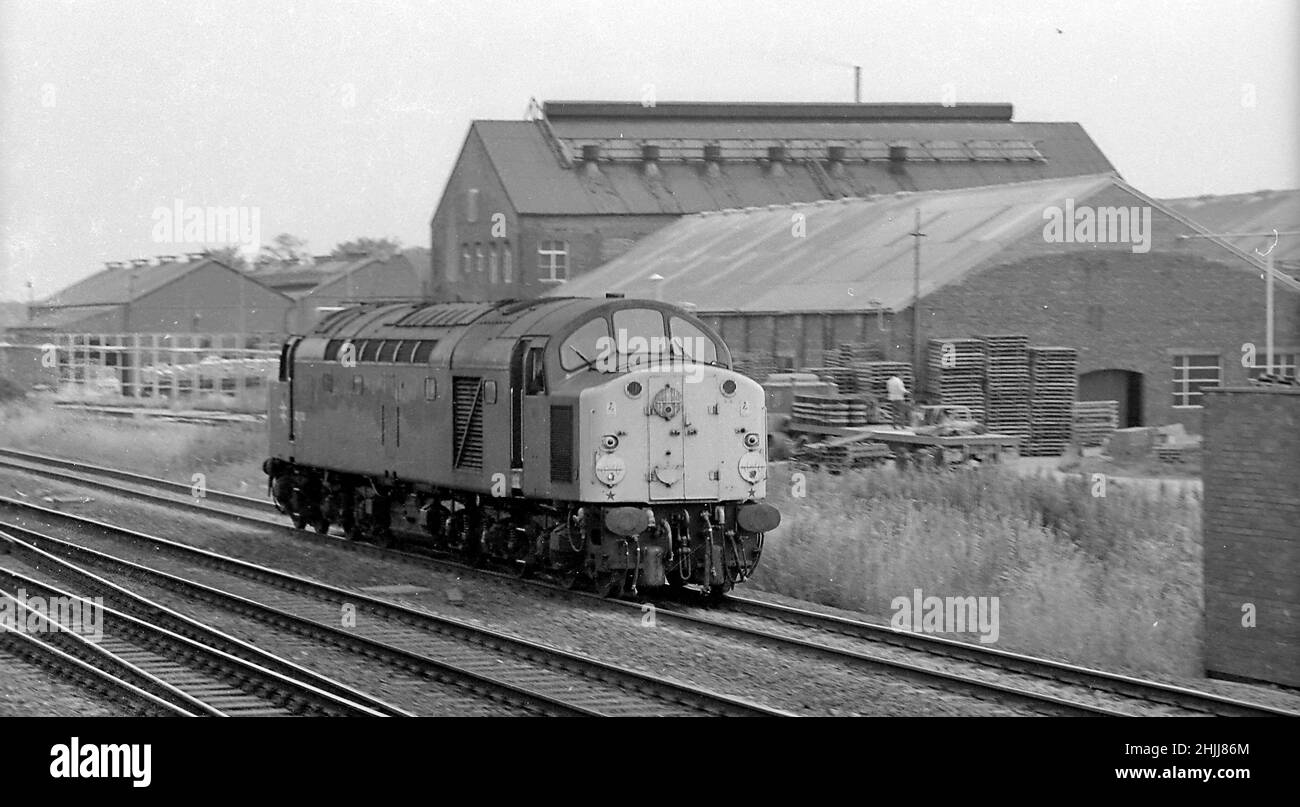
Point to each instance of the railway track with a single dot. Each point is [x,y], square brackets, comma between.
[547,679]
[191,677]
[96,680]
[1042,684]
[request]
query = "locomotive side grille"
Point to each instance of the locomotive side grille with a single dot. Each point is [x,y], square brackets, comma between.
[561,443]
[467,405]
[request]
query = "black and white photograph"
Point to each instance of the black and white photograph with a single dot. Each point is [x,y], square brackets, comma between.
[830,359]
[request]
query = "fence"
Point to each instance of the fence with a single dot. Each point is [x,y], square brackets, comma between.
[192,370]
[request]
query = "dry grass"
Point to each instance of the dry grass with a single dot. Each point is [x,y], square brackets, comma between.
[1112,582]
[230,455]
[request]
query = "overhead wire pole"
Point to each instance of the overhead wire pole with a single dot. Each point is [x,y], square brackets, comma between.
[917,235]
[1268,284]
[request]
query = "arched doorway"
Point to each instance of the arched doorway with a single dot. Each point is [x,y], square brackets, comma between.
[1124,386]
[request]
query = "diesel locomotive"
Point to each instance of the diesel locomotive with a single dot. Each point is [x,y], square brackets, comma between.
[605,442]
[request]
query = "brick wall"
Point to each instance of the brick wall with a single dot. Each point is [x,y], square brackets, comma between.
[1252,533]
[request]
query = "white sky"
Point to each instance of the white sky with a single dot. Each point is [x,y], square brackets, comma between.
[109,110]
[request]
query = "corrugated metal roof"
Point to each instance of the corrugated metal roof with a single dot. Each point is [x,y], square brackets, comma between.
[1259,212]
[526,159]
[127,284]
[856,254]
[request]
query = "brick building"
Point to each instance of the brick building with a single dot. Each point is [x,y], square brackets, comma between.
[1155,316]
[1251,555]
[531,204]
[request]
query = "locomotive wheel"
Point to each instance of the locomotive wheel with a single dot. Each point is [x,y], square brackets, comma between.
[574,578]
[322,526]
[716,593]
[299,521]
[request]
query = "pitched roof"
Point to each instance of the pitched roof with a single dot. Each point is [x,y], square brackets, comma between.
[1258,212]
[541,162]
[297,280]
[855,255]
[126,283]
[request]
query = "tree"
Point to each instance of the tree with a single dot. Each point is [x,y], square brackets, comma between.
[382,247]
[284,249]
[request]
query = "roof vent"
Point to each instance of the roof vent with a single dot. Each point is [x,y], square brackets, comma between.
[897,153]
[113,264]
[836,156]
[166,259]
[196,256]
[590,158]
[650,157]
[140,262]
[775,158]
[712,160]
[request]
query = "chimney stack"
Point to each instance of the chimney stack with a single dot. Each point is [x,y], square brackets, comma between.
[776,156]
[650,159]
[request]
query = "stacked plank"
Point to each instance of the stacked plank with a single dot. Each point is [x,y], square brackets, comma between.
[847,456]
[1006,384]
[842,377]
[757,366]
[829,410]
[956,369]
[1094,421]
[1053,387]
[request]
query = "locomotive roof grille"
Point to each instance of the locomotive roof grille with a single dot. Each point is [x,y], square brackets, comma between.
[444,315]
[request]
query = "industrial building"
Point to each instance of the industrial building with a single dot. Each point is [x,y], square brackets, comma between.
[532,204]
[1084,262]
[333,282]
[169,294]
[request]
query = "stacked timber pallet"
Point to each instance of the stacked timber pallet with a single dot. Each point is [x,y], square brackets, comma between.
[757,366]
[844,455]
[829,410]
[841,377]
[872,378]
[1094,421]
[1053,387]
[956,369]
[1006,384]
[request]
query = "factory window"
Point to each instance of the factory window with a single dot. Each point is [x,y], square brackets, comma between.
[369,349]
[471,205]
[1283,364]
[465,260]
[494,268]
[553,261]
[489,392]
[327,383]
[387,350]
[507,264]
[1193,372]
[430,389]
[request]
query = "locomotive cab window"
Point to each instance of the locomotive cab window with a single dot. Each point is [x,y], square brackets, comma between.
[642,337]
[535,371]
[688,339]
[583,347]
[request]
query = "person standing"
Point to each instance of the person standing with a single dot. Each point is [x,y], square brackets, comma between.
[897,394]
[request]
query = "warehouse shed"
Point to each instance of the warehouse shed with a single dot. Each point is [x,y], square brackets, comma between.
[1155,317]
